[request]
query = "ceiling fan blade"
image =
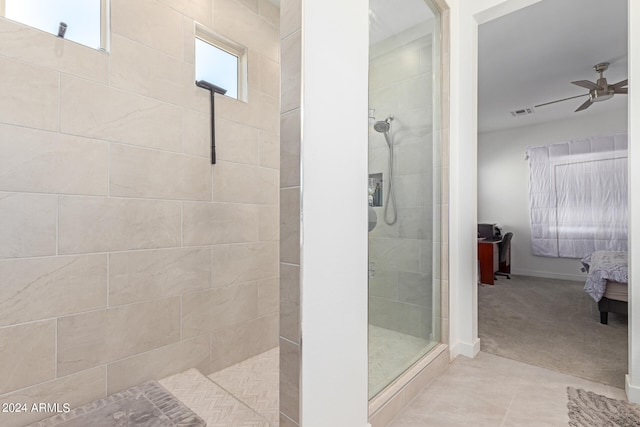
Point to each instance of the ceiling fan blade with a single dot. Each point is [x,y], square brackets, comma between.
[560,100]
[620,84]
[584,106]
[586,84]
[621,90]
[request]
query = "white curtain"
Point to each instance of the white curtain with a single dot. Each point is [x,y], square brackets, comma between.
[578,196]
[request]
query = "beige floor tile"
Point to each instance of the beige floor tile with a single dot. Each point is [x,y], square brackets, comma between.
[213,404]
[498,392]
[255,382]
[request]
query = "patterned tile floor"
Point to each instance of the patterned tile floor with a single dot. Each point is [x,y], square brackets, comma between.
[390,354]
[255,382]
[243,395]
[246,394]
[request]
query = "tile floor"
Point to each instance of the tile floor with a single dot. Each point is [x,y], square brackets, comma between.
[488,391]
[491,391]
[243,395]
[390,354]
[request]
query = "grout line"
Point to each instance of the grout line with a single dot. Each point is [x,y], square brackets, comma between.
[55,359]
[57,226]
[108,280]
[506,414]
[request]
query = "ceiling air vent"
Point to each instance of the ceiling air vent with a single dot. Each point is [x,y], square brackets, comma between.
[523,112]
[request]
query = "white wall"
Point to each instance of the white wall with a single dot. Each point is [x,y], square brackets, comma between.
[503,177]
[633,380]
[335,64]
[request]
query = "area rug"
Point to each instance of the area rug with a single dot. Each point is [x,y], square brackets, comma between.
[588,409]
[146,405]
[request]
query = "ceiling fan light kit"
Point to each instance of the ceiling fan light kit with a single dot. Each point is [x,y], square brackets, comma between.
[599,91]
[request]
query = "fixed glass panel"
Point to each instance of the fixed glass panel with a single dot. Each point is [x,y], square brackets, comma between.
[217,66]
[404,187]
[85,19]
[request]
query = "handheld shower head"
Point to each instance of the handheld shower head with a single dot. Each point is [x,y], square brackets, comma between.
[383,126]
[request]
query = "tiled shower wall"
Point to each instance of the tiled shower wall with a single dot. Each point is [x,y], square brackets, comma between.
[290,124]
[401,256]
[124,254]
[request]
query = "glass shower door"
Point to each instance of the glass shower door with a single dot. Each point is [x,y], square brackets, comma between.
[404,187]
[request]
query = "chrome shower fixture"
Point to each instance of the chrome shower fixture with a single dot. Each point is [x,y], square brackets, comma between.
[384,125]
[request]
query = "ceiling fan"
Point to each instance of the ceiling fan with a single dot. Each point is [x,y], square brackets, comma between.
[599,91]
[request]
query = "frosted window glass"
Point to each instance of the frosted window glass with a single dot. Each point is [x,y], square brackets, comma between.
[81,16]
[217,66]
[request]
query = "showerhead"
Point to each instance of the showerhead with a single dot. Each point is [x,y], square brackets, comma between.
[383,126]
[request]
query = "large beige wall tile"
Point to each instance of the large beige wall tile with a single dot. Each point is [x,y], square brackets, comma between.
[236,22]
[90,339]
[290,140]
[269,75]
[230,109]
[40,161]
[200,10]
[290,16]
[36,47]
[269,222]
[76,390]
[41,288]
[148,22]
[269,108]
[146,275]
[270,12]
[238,343]
[290,302]
[290,225]
[27,225]
[138,172]
[196,133]
[253,5]
[159,363]
[269,150]
[215,223]
[237,142]
[239,263]
[97,111]
[235,182]
[220,308]
[268,296]
[291,72]
[286,421]
[140,69]
[92,224]
[29,95]
[189,34]
[290,379]
[27,355]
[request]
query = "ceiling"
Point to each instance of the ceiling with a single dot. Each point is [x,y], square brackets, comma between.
[529,57]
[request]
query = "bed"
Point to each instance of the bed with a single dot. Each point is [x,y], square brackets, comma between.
[607,281]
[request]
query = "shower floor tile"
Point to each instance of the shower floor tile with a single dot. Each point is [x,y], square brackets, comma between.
[390,354]
[255,382]
[216,406]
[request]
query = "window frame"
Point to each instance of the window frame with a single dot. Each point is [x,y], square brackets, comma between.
[105,21]
[207,36]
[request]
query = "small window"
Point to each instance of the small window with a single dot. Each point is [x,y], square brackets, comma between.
[222,63]
[86,20]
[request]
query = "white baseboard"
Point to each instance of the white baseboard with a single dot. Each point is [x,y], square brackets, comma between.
[633,391]
[465,349]
[580,277]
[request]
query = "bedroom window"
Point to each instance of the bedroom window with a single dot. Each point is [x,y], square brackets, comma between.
[578,197]
[221,62]
[84,21]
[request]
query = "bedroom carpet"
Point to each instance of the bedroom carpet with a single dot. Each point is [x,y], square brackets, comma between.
[553,324]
